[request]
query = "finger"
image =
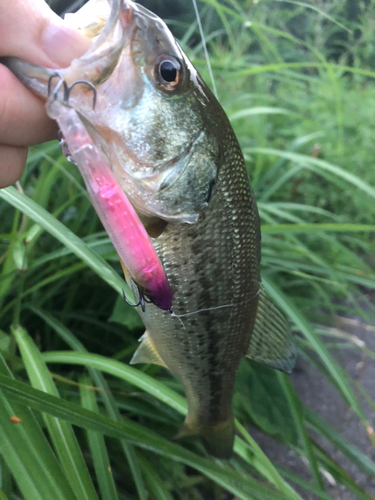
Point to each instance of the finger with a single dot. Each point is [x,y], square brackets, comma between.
[23,119]
[29,29]
[12,163]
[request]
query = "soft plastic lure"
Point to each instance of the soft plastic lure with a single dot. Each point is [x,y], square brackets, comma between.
[118,216]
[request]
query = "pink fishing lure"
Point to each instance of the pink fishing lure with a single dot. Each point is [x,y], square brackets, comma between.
[118,216]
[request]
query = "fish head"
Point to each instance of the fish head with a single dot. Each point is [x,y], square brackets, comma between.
[155,118]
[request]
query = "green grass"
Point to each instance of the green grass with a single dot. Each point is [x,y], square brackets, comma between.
[297,82]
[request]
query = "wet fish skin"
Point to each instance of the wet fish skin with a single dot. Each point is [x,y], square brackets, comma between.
[176,156]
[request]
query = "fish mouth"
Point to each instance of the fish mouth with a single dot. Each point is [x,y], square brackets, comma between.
[109,30]
[129,39]
[109,37]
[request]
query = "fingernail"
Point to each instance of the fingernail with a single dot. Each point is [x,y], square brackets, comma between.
[62,44]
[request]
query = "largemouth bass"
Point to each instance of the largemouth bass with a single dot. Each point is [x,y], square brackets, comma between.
[174,153]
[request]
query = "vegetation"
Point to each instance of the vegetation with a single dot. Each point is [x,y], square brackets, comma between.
[296,79]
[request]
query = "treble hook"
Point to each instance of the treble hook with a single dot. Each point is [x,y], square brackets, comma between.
[89,84]
[143,300]
[68,89]
[57,88]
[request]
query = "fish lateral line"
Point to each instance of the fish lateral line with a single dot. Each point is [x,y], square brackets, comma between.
[145,299]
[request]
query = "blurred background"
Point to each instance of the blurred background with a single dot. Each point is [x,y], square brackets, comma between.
[297,82]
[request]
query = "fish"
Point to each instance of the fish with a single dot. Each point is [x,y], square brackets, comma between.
[174,153]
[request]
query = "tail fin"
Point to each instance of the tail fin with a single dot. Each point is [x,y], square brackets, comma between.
[217,439]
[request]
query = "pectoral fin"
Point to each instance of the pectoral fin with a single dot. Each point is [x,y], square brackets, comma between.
[271,341]
[147,353]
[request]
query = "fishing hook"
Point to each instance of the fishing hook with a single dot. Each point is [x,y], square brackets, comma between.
[89,84]
[68,89]
[57,88]
[143,300]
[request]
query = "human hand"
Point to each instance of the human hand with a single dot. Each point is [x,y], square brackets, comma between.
[29,29]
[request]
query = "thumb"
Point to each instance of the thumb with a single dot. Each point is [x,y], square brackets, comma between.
[29,29]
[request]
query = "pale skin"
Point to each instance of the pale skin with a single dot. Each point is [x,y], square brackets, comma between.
[29,29]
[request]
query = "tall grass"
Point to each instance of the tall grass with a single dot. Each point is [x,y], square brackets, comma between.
[76,421]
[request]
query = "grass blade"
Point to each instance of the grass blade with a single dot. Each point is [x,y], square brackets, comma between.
[121,371]
[245,488]
[295,407]
[306,329]
[321,495]
[148,384]
[341,476]
[61,432]
[105,393]
[320,426]
[258,111]
[66,237]
[5,477]
[315,228]
[97,445]
[261,462]
[27,452]
[157,487]
[319,11]
[317,164]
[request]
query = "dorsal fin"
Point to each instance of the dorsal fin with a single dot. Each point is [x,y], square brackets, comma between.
[271,341]
[147,353]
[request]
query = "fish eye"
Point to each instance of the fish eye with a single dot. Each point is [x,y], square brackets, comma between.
[168,72]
